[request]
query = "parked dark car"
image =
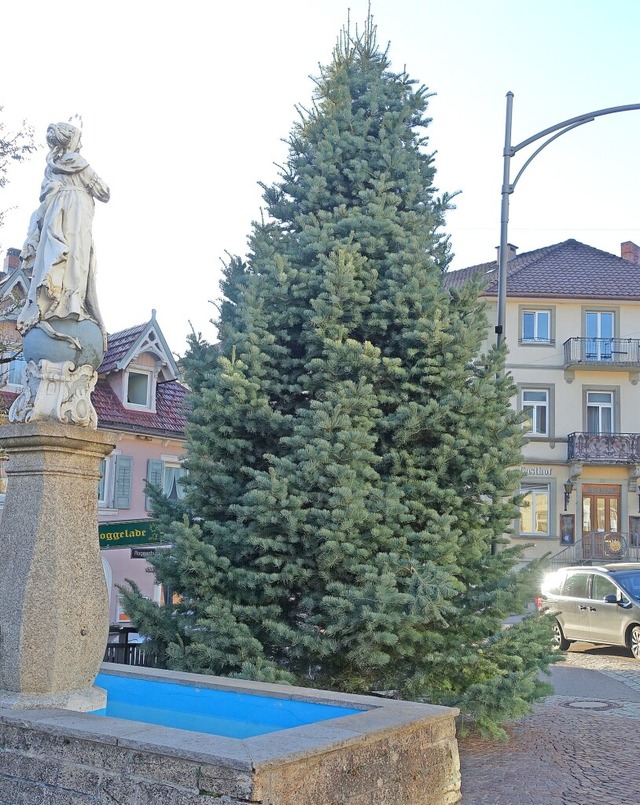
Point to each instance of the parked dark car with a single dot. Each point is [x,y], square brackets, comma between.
[595,604]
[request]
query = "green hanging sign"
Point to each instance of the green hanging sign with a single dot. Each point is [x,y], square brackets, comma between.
[133,532]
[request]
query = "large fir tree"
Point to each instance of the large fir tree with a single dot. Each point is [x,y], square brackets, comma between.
[352,456]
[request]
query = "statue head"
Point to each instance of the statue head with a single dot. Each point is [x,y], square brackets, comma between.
[63,137]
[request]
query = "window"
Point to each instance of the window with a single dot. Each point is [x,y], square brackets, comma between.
[102,483]
[536,327]
[599,328]
[535,404]
[600,406]
[534,510]
[121,613]
[114,485]
[165,474]
[16,370]
[575,585]
[138,388]
[600,587]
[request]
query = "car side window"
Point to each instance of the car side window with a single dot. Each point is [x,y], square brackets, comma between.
[600,587]
[575,585]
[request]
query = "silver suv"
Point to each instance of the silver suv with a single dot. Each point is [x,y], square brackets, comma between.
[598,604]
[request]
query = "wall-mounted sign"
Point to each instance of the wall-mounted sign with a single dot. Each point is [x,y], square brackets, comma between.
[142,553]
[567,529]
[536,471]
[602,489]
[134,532]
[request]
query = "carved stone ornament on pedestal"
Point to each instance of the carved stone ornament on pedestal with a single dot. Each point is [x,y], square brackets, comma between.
[56,391]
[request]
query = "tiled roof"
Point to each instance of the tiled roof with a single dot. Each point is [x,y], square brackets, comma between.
[119,345]
[170,416]
[6,398]
[567,269]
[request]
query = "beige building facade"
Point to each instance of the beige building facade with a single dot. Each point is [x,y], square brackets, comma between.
[572,328]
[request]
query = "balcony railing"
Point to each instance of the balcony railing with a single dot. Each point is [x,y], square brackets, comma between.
[596,352]
[609,448]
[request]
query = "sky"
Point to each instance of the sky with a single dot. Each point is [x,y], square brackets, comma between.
[186,108]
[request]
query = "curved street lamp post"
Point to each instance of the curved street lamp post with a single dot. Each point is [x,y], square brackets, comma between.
[508,187]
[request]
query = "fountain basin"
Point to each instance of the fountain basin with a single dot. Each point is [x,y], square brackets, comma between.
[201,708]
[387,752]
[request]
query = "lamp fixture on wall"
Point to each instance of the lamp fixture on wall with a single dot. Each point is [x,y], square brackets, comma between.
[568,489]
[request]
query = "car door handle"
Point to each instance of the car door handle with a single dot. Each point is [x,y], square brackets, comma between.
[582,609]
[592,609]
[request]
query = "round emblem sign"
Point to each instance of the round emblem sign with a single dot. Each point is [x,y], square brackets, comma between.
[614,545]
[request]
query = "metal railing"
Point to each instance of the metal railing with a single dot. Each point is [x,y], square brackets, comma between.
[129,654]
[599,547]
[608,448]
[607,351]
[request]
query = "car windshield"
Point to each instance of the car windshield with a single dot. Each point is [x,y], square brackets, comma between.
[629,580]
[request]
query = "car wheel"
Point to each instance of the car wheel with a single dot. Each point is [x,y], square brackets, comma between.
[634,641]
[560,641]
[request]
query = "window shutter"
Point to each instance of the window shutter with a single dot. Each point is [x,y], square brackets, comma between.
[154,478]
[122,486]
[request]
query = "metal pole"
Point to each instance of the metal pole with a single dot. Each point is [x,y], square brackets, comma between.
[508,187]
[504,223]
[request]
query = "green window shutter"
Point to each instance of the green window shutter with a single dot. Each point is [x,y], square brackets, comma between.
[122,486]
[155,470]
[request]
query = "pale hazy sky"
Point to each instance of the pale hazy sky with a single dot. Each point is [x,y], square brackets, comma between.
[185,107]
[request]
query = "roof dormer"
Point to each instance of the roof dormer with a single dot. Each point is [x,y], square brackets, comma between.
[137,360]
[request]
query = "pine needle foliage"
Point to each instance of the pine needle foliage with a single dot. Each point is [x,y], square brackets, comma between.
[352,453]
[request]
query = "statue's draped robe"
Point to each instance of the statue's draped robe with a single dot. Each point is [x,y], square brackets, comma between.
[60,245]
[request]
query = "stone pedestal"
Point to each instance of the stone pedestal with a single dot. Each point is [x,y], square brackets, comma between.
[54,616]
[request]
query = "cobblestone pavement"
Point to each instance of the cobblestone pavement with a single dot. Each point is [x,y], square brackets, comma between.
[578,747]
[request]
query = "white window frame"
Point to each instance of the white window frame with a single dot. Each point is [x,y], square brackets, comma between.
[122,616]
[598,346]
[536,313]
[103,483]
[536,406]
[158,476]
[537,491]
[149,404]
[106,485]
[602,406]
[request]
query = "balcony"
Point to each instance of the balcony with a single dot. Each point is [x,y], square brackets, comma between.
[606,448]
[605,352]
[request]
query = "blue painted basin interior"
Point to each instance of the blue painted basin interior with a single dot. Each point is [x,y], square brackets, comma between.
[217,712]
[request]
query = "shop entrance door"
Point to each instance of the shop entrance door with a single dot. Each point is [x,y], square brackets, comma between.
[600,508]
[600,519]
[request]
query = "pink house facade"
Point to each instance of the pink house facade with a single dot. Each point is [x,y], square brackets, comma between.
[140,399]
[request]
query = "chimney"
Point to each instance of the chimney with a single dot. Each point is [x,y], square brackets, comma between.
[12,261]
[511,252]
[629,251]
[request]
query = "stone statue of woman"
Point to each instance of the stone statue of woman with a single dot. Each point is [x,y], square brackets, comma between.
[63,334]
[59,247]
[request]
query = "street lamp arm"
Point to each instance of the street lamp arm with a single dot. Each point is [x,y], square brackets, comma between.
[512,187]
[572,123]
[508,187]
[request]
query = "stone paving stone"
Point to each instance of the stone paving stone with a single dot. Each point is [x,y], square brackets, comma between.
[566,752]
